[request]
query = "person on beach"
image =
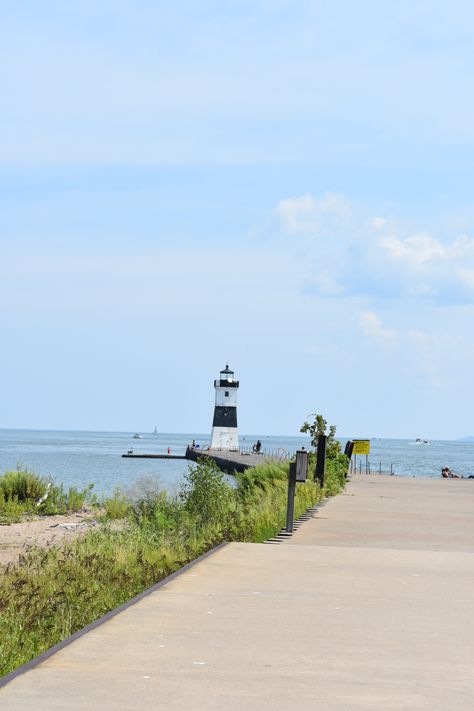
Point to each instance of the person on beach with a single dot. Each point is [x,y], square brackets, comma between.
[446,473]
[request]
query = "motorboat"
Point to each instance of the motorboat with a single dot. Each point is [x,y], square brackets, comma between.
[137,436]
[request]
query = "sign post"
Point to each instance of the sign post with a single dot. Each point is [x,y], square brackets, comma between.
[362,446]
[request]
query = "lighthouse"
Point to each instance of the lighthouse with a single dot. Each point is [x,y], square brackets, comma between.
[224,425]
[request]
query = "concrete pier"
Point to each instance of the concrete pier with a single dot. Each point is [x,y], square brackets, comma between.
[225,460]
[153,456]
[366,606]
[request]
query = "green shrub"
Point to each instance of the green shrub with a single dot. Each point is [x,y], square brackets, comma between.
[205,493]
[23,485]
[11,511]
[117,506]
[23,493]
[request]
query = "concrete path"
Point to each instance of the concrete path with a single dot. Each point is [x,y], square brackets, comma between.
[368,606]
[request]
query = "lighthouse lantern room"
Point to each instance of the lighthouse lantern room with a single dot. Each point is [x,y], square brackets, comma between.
[224,426]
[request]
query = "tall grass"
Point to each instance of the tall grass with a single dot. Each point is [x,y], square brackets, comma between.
[52,593]
[24,493]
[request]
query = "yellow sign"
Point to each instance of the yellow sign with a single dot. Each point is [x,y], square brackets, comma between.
[361,446]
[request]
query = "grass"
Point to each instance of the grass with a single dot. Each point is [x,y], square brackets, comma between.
[23,493]
[52,593]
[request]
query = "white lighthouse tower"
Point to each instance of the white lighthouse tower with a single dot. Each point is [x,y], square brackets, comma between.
[224,425]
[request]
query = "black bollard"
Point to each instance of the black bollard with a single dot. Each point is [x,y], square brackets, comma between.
[290,509]
[320,474]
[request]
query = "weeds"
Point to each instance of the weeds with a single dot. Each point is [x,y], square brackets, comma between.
[52,593]
[23,493]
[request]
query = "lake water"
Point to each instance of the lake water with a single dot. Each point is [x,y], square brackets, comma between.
[80,458]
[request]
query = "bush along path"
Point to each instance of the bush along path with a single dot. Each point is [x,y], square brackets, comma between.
[53,593]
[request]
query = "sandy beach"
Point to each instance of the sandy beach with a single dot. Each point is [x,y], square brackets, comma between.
[42,531]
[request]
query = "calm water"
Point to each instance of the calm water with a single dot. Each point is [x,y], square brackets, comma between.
[80,458]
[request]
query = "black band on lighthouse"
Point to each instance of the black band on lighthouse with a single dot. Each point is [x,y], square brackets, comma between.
[225,416]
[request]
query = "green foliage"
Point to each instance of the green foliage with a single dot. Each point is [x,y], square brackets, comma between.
[319,427]
[23,493]
[11,511]
[336,470]
[205,493]
[116,506]
[54,592]
[23,486]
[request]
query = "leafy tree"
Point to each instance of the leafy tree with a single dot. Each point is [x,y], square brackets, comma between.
[319,427]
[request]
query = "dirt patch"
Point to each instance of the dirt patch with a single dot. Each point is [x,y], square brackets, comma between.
[42,531]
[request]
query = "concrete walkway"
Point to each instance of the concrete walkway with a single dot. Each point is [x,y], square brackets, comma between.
[368,606]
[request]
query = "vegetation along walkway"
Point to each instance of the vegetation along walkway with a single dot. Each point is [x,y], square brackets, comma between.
[368,605]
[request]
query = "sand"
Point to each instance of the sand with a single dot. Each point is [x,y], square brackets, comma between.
[42,531]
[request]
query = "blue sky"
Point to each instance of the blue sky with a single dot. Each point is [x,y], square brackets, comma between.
[284,186]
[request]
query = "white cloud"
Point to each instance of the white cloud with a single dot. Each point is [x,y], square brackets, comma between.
[378,222]
[346,251]
[306,213]
[421,290]
[415,250]
[371,326]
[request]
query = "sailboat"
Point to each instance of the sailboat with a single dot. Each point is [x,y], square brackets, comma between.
[155,431]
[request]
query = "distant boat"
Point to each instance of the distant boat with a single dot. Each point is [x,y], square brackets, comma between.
[155,431]
[421,441]
[137,436]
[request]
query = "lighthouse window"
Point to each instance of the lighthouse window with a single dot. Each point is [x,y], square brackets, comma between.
[226,393]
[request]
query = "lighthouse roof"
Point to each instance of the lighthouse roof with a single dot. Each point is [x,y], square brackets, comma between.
[227,370]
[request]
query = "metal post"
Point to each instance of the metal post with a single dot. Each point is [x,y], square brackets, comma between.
[320,474]
[360,467]
[380,468]
[349,448]
[290,509]
[391,468]
[366,464]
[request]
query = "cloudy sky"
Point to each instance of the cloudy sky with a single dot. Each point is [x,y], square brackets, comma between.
[283,186]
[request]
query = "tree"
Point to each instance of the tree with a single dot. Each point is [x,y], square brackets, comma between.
[319,427]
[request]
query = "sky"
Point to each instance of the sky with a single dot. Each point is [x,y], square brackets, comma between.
[282,186]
